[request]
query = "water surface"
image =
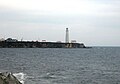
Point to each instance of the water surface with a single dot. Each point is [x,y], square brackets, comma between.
[99,65]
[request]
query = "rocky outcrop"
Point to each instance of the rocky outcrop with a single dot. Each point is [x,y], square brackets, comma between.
[8,78]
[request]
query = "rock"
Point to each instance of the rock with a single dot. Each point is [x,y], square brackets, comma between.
[8,78]
[1,80]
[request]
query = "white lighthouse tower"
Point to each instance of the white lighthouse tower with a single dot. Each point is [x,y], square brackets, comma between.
[67,36]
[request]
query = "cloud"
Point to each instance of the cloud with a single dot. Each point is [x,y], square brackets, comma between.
[94,22]
[63,7]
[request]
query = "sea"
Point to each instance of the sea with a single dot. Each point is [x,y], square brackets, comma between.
[97,65]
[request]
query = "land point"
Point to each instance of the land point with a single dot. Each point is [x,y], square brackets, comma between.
[14,43]
[31,44]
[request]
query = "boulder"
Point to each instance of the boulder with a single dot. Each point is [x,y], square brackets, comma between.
[8,78]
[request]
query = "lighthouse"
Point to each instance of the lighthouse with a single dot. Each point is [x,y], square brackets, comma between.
[67,36]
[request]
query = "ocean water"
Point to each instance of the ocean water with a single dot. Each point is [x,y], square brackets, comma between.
[98,65]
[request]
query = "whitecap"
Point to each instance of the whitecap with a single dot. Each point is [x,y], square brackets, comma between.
[20,76]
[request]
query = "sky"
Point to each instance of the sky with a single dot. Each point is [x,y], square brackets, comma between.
[92,22]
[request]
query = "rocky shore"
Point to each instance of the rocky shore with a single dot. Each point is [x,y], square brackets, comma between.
[8,78]
[36,44]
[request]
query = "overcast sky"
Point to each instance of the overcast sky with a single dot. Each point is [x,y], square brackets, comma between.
[93,22]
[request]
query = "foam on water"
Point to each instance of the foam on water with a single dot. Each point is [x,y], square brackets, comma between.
[20,76]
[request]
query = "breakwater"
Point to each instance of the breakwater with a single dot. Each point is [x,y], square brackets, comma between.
[31,44]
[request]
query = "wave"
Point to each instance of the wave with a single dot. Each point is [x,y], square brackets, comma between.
[20,76]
